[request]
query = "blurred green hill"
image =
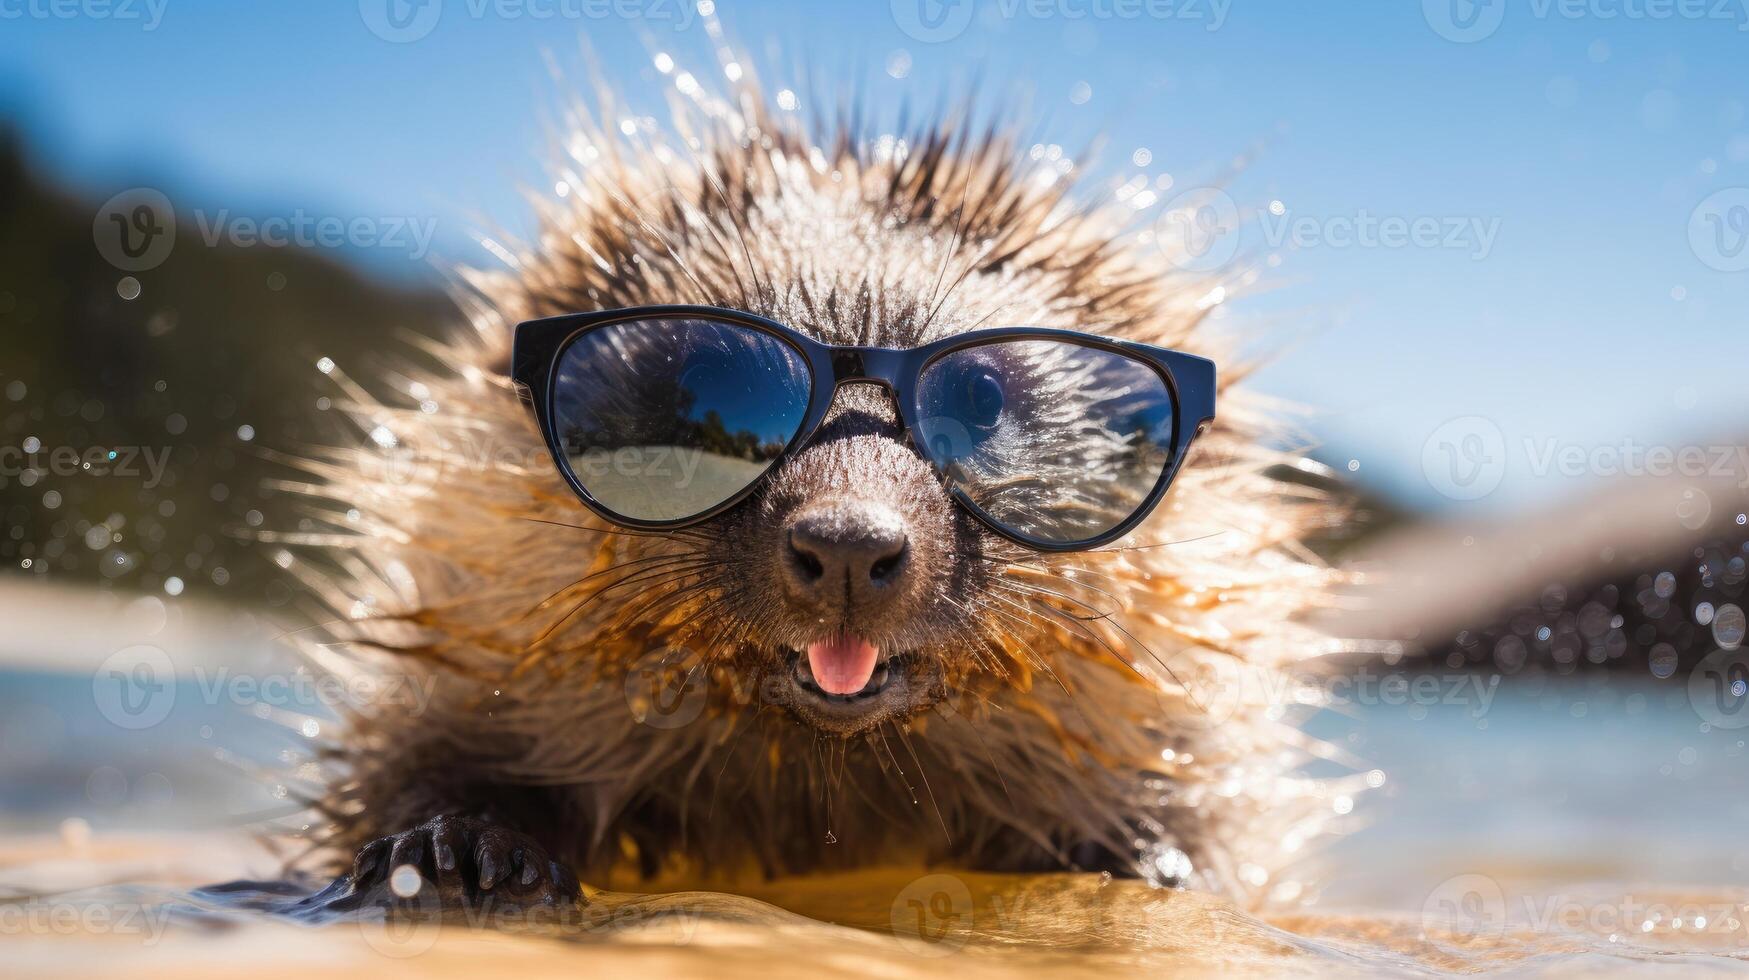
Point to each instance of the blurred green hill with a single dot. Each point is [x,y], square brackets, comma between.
[210,359]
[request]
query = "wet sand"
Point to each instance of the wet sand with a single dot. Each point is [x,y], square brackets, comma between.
[129,905]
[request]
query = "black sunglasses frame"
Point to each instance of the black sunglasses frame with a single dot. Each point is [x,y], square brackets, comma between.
[1190,381]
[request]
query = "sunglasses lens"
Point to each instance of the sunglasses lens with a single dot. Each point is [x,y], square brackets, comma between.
[664,419]
[1054,441]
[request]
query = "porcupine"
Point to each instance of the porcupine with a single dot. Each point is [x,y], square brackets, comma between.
[1037,711]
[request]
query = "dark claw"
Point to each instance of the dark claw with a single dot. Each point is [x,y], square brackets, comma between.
[365,865]
[489,869]
[564,880]
[408,849]
[498,855]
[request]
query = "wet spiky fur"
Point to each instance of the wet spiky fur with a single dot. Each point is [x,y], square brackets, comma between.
[1106,702]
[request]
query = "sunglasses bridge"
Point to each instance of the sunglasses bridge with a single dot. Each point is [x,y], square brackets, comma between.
[877,365]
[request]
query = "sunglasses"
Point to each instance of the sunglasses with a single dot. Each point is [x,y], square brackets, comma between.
[663,416]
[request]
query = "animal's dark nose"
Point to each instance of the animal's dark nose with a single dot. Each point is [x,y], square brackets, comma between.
[852,550]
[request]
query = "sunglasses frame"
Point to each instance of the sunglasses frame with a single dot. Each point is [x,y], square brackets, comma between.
[1189,380]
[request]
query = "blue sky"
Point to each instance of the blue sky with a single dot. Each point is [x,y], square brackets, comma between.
[1562,157]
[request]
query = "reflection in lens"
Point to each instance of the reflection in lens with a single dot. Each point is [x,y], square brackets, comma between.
[1055,441]
[663,419]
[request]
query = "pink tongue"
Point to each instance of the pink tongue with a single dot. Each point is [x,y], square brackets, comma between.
[843,664]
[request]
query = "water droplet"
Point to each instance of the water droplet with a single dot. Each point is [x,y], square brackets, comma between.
[1165,866]
[1510,654]
[405,881]
[1664,586]
[1729,626]
[1663,660]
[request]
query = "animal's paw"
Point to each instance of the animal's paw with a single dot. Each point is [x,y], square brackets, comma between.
[466,863]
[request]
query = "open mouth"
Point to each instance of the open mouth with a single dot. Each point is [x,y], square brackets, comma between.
[846,684]
[882,673]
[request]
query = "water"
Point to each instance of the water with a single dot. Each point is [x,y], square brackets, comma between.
[1567,827]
